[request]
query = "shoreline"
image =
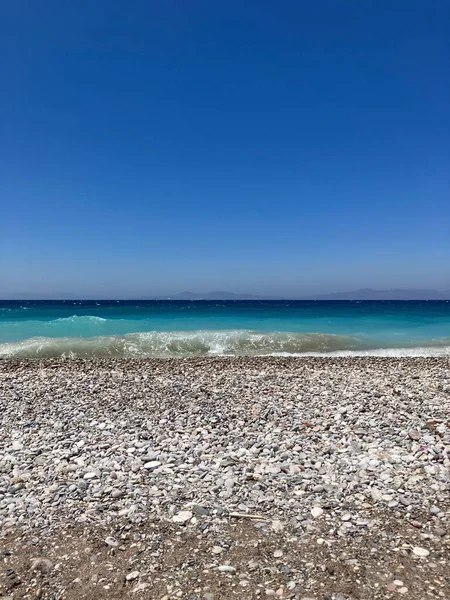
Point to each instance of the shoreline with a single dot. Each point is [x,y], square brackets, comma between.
[197,360]
[206,343]
[227,477]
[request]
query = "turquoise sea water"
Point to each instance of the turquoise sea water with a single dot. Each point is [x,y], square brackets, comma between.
[182,328]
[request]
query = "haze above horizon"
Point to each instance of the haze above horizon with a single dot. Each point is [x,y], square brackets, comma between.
[279,150]
[361,294]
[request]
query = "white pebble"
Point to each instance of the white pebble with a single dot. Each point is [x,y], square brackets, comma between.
[182,516]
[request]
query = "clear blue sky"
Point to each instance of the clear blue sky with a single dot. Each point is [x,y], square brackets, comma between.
[284,148]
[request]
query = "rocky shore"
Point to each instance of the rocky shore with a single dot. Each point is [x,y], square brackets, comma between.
[218,478]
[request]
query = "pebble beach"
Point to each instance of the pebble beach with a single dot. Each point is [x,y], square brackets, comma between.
[227,477]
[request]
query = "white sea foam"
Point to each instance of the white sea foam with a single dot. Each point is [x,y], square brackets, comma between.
[209,343]
[79,319]
[420,351]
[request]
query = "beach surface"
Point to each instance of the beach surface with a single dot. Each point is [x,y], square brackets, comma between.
[219,478]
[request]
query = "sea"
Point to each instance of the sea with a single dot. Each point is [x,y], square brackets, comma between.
[130,328]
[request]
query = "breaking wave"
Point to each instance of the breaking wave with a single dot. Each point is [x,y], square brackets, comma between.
[80,319]
[209,343]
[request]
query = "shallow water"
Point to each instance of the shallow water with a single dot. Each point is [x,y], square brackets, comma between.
[185,328]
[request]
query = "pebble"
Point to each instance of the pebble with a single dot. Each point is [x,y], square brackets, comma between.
[152,464]
[277,526]
[200,511]
[132,576]
[182,517]
[416,524]
[346,517]
[44,565]
[196,441]
[140,587]
[226,569]
[376,494]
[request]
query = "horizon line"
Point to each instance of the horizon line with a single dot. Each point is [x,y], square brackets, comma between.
[256,299]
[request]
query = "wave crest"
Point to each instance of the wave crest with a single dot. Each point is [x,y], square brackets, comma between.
[206,343]
[178,343]
[79,319]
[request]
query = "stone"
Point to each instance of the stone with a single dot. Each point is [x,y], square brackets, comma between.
[346,517]
[200,511]
[204,424]
[405,500]
[182,517]
[132,576]
[277,526]
[43,565]
[376,494]
[226,569]
[418,551]
[140,587]
[152,464]
[416,524]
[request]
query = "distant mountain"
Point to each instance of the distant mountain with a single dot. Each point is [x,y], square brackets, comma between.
[395,294]
[214,296]
[361,294]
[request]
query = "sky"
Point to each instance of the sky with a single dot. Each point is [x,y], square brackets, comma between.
[279,148]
